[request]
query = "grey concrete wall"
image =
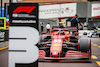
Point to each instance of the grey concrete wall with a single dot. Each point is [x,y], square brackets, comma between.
[89,7]
[82,9]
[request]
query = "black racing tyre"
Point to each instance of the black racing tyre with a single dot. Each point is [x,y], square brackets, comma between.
[84,44]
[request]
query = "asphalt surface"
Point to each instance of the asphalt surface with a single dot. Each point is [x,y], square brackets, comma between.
[94,62]
[4,58]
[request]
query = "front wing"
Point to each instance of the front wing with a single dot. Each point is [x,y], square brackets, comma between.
[69,55]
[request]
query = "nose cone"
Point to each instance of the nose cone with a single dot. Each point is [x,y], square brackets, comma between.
[56,47]
[55,54]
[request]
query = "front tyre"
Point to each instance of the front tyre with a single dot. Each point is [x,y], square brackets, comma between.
[84,44]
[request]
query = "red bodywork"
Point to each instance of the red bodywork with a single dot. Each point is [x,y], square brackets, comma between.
[56,47]
[57,42]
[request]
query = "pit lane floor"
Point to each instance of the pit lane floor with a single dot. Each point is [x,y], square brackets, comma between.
[94,62]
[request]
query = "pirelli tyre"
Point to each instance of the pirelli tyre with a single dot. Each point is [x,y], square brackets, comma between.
[84,44]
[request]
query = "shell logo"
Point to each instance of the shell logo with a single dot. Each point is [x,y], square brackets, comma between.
[56,44]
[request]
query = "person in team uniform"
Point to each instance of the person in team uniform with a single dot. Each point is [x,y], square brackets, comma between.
[74,23]
[42,27]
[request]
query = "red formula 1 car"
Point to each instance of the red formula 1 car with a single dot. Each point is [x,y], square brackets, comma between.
[61,44]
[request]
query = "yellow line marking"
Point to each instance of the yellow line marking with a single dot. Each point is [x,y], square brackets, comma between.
[98,62]
[99,46]
[95,44]
[94,57]
[4,47]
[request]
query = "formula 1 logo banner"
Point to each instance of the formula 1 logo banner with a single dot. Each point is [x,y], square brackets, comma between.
[23,35]
[23,14]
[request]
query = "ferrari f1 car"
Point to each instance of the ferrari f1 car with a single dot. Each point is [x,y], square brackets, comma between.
[62,44]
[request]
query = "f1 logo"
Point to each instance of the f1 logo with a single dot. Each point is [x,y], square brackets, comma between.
[27,9]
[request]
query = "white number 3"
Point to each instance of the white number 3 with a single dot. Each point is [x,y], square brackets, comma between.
[22,45]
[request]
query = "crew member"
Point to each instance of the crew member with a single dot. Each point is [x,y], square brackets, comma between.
[48,27]
[42,27]
[74,21]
